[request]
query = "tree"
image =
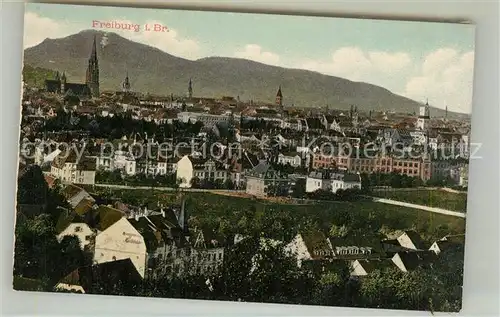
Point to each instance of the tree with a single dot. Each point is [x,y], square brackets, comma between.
[377,289]
[229,184]
[299,189]
[36,249]
[32,189]
[338,231]
[276,277]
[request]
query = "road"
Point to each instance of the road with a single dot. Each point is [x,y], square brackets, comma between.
[166,188]
[421,207]
[392,189]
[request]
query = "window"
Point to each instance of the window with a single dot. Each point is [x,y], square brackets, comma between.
[78,229]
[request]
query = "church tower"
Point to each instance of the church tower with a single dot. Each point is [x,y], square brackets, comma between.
[279,97]
[190,89]
[92,79]
[424,117]
[126,84]
[279,101]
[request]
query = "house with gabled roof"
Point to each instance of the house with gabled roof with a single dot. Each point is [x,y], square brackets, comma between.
[310,246]
[408,261]
[120,241]
[73,169]
[447,242]
[80,230]
[360,268]
[263,177]
[77,197]
[292,158]
[411,240]
[356,246]
[190,167]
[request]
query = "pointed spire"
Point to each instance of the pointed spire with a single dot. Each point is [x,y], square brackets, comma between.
[190,88]
[126,83]
[426,101]
[279,94]
[63,77]
[93,54]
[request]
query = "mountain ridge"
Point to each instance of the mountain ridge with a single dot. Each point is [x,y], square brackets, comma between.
[152,70]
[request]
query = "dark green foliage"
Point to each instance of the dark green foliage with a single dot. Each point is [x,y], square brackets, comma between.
[37,253]
[299,188]
[32,188]
[393,179]
[36,76]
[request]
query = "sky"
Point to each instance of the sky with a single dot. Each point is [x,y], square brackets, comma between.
[419,60]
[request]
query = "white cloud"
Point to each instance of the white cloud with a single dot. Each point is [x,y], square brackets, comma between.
[37,29]
[445,78]
[254,52]
[354,64]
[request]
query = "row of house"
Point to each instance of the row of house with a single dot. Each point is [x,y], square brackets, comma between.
[156,241]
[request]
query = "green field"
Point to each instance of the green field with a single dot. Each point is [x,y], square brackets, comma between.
[231,215]
[427,197]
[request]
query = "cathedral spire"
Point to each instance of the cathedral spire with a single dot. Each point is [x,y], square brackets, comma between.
[92,78]
[190,88]
[93,54]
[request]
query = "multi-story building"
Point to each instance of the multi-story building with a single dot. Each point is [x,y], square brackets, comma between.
[292,159]
[190,167]
[263,179]
[207,119]
[414,167]
[72,169]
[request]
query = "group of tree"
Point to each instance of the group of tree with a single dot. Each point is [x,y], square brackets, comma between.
[212,184]
[116,177]
[349,194]
[393,179]
[38,254]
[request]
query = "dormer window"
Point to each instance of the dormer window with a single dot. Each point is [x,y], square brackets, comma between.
[78,229]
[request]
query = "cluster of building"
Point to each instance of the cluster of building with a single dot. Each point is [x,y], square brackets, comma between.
[151,241]
[406,252]
[308,140]
[155,241]
[273,147]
